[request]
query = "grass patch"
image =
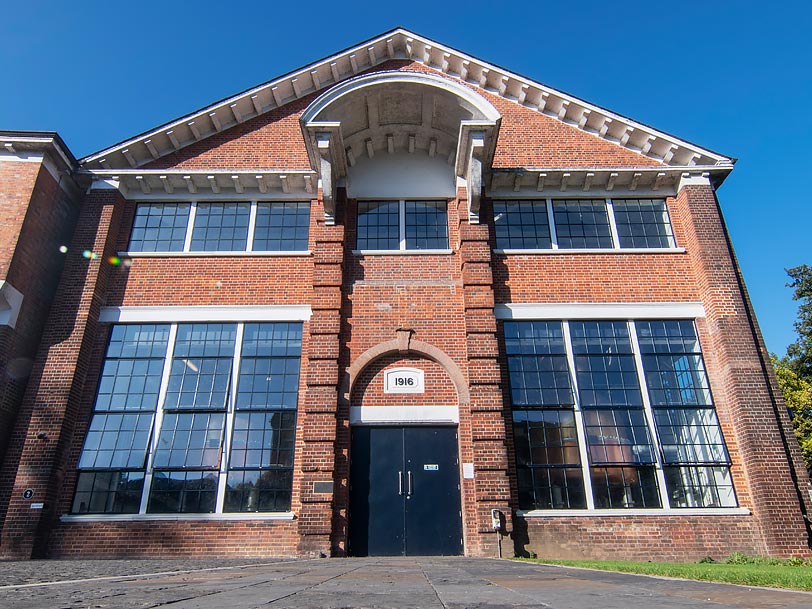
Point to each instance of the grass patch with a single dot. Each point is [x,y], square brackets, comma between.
[760,573]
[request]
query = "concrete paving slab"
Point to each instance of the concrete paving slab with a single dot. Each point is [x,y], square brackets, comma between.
[360,583]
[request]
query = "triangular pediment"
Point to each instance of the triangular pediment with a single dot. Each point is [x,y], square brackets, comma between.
[572,133]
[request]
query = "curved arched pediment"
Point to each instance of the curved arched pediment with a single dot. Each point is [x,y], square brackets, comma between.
[370,119]
[479,107]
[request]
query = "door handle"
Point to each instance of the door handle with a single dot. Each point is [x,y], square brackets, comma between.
[409,486]
[400,483]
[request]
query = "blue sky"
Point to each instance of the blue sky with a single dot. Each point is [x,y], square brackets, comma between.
[735,77]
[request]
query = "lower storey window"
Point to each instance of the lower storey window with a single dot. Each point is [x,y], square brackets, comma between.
[203,420]
[614,415]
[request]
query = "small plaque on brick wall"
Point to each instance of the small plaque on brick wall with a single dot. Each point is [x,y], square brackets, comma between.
[403,380]
[322,487]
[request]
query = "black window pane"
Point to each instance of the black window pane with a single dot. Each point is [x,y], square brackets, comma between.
[190,440]
[378,225]
[183,492]
[220,227]
[545,437]
[426,225]
[668,336]
[544,488]
[538,380]
[272,340]
[618,437]
[624,487]
[604,365]
[110,492]
[699,487]
[643,223]
[534,337]
[262,440]
[116,441]
[521,225]
[600,337]
[138,341]
[129,384]
[690,435]
[159,227]
[258,491]
[205,340]
[281,227]
[677,380]
[582,224]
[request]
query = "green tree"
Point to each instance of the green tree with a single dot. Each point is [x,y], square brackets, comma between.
[799,353]
[797,392]
[794,371]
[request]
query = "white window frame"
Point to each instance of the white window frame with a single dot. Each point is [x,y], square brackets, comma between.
[190,224]
[610,212]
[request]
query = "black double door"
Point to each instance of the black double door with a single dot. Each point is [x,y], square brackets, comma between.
[405,492]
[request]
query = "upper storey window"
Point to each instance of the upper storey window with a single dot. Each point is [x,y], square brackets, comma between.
[582,224]
[221,227]
[402,225]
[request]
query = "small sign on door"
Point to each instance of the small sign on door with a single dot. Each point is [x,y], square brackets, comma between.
[430,467]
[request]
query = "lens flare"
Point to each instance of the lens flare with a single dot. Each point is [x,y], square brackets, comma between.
[114,260]
[90,255]
[63,249]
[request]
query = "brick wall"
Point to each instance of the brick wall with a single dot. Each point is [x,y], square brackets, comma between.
[36,218]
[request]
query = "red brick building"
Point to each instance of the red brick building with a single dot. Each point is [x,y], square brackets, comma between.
[368,308]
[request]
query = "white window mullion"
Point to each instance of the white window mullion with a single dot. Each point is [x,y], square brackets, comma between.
[579,420]
[232,401]
[610,211]
[641,375]
[159,416]
[252,224]
[187,243]
[402,223]
[551,223]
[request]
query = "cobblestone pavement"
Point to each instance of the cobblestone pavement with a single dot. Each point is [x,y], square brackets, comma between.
[359,583]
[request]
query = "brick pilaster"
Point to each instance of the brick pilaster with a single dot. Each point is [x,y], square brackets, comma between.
[485,411]
[318,413]
[45,426]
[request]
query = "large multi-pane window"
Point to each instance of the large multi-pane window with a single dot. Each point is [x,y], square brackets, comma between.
[695,459]
[114,457]
[621,454]
[193,418]
[582,224]
[614,415]
[220,227]
[402,225]
[549,463]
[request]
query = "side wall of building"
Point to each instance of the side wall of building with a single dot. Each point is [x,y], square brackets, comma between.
[37,217]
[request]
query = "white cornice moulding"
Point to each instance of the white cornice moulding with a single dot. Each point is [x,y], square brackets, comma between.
[403,44]
[21,157]
[693,179]
[107,184]
[655,310]
[205,313]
